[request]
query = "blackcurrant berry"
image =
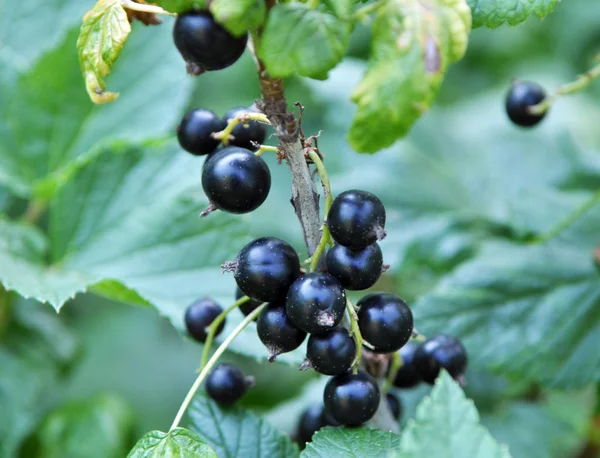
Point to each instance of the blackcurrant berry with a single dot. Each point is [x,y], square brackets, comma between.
[385,321]
[246,133]
[309,423]
[277,332]
[249,306]
[355,269]
[521,96]
[226,384]
[351,399]
[204,44]
[408,375]
[440,352]
[236,180]
[265,268]
[356,219]
[200,315]
[196,129]
[332,352]
[316,302]
[394,405]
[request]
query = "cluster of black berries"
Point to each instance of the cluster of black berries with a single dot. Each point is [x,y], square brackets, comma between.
[234,179]
[522,96]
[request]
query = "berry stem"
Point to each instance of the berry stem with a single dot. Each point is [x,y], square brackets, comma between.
[580,83]
[152,9]
[225,134]
[395,365]
[570,219]
[325,236]
[266,148]
[355,331]
[214,326]
[211,362]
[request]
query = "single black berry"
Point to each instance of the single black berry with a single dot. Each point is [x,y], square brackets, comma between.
[244,134]
[394,405]
[351,399]
[316,302]
[204,44]
[226,384]
[200,315]
[408,375]
[249,306]
[309,423]
[277,332]
[521,96]
[236,180]
[195,131]
[385,321]
[355,269]
[332,352]
[265,268]
[440,352]
[356,219]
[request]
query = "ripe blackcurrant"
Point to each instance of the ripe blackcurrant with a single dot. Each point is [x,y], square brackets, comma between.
[309,423]
[236,180]
[352,399]
[204,44]
[394,405]
[356,219]
[277,332]
[200,315]
[226,384]
[355,269]
[522,96]
[316,302]
[195,131]
[249,306]
[245,134]
[408,375]
[440,352]
[265,268]
[385,321]
[332,352]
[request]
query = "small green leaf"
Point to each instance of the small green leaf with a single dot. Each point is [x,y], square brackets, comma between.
[494,13]
[299,39]
[99,427]
[447,426]
[181,6]
[413,44]
[103,34]
[341,8]
[356,442]
[178,443]
[234,432]
[239,16]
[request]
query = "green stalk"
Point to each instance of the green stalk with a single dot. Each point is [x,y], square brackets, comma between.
[355,331]
[326,236]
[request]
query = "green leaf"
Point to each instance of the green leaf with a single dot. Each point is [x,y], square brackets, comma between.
[42,135]
[99,427]
[413,44]
[180,6]
[178,443]
[103,34]
[239,16]
[494,13]
[294,32]
[356,443]
[341,8]
[36,350]
[528,311]
[234,432]
[447,426]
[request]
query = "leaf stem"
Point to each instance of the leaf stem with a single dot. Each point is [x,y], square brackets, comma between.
[209,365]
[364,11]
[569,220]
[34,212]
[395,365]
[580,83]
[225,134]
[214,326]
[325,236]
[355,331]
[152,9]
